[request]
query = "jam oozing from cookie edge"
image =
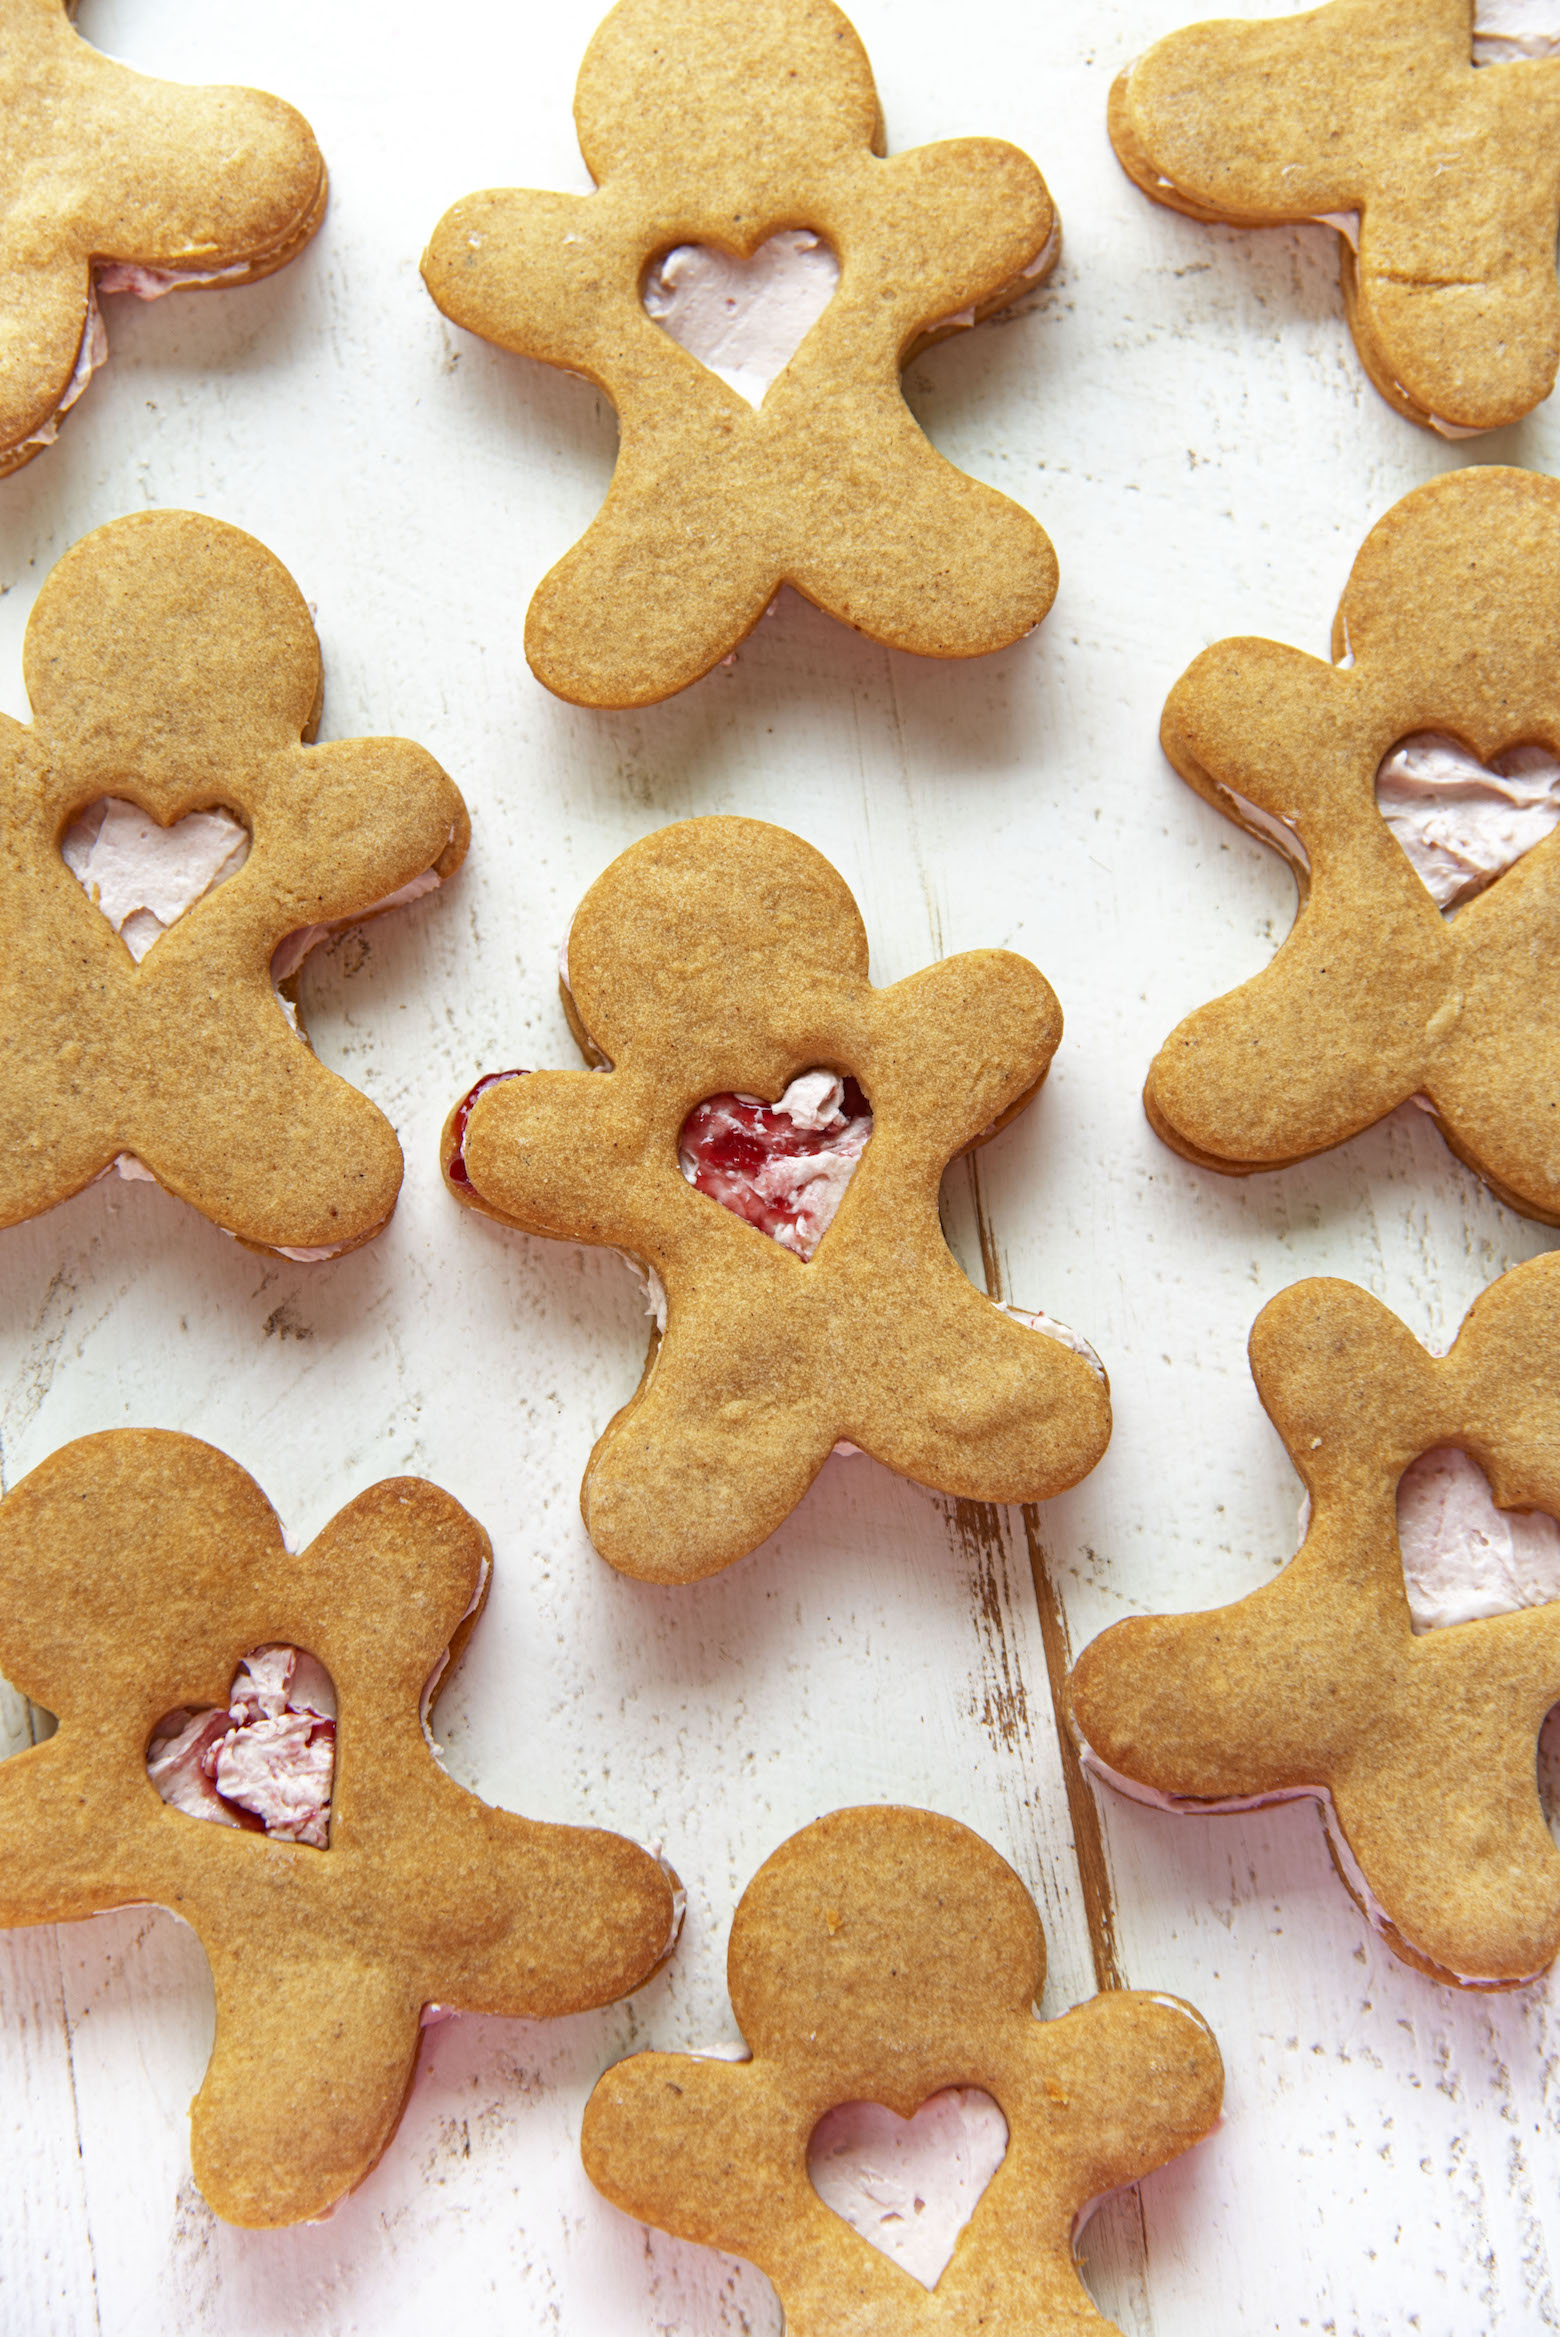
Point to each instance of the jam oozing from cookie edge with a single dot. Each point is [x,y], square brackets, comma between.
[781,1167]
[456,1172]
[266,1764]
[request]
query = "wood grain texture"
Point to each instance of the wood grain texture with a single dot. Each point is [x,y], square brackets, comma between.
[1182,410]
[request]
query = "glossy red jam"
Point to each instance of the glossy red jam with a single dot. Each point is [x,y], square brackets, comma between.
[457,1168]
[781,1167]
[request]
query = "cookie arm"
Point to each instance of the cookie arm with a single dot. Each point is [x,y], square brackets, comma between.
[1494,1081]
[341,827]
[1509,1349]
[563,1153]
[1318,1045]
[686,2145]
[197,179]
[560,1918]
[1135,2079]
[965,224]
[52,1845]
[1257,122]
[1231,1703]
[541,274]
[961,1045]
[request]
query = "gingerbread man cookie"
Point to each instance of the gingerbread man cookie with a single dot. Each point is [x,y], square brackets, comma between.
[743,200]
[1402,781]
[718,964]
[173,850]
[1399,1669]
[1424,131]
[890,1957]
[110,182]
[139,1571]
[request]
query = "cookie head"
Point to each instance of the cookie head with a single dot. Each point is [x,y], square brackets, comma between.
[1451,614]
[903,1927]
[767,1133]
[736,947]
[744,285]
[173,641]
[717,91]
[1414,783]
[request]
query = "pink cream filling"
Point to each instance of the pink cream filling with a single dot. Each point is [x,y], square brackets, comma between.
[151,283]
[267,1763]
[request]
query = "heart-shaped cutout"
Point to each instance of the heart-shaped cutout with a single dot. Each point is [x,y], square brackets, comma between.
[1464,1559]
[143,877]
[909,2186]
[1461,822]
[744,319]
[268,1762]
[783,1167]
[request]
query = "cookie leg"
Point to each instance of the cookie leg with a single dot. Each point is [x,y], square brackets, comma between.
[308,2076]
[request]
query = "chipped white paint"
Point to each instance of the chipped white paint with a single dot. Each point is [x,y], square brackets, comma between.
[1183,409]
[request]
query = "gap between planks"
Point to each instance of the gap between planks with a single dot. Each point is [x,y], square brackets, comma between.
[1118,2227]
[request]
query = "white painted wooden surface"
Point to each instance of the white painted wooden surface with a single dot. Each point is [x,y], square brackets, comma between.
[1183,410]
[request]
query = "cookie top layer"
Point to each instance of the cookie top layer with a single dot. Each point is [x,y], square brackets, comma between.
[1450,624]
[726,956]
[1425,1742]
[721,123]
[136,1568]
[1442,175]
[101,164]
[884,1955]
[171,660]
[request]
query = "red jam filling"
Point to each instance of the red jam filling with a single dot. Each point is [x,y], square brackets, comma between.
[781,1167]
[463,1110]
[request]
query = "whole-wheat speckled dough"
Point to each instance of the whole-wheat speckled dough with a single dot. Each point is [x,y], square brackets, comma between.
[171,661]
[99,164]
[726,955]
[1424,1744]
[136,1569]
[1450,623]
[882,1955]
[722,122]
